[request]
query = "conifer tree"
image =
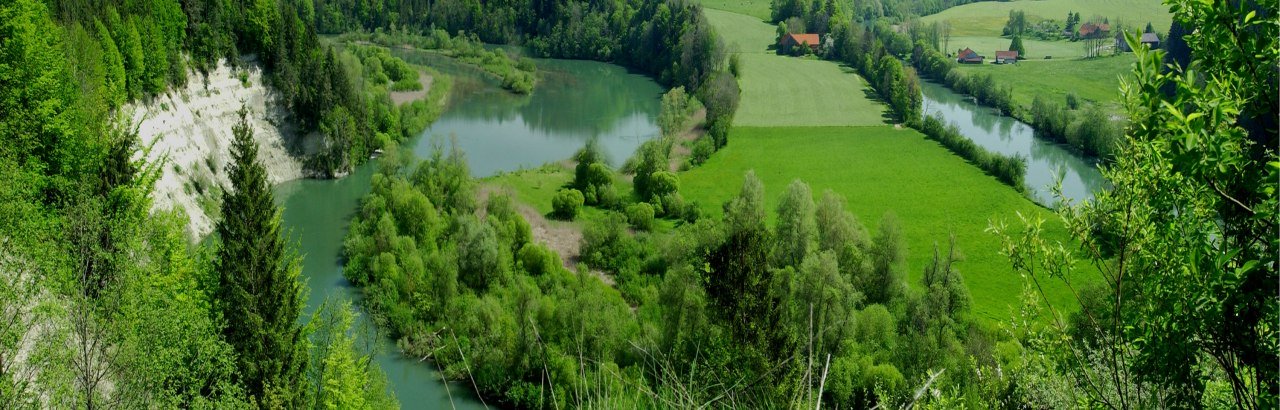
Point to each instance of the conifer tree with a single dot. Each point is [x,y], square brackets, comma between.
[258,288]
[1016,45]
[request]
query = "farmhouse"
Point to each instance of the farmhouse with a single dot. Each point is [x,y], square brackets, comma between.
[792,40]
[1007,57]
[968,56]
[1151,40]
[1090,30]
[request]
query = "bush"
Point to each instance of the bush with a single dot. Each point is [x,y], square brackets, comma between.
[408,84]
[607,197]
[673,205]
[537,259]
[663,183]
[702,150]
[566,203]
[640,216]
[606,245]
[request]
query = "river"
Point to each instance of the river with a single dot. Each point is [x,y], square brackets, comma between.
[1046,161]
[499,131]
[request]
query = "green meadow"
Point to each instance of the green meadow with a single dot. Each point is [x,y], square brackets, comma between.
[790,91]
[878,170]
[758,9]
[1095,80]
[742,33]
[987,18]
[1036,49]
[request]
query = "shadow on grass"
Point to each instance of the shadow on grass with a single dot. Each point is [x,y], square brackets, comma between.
[886,114]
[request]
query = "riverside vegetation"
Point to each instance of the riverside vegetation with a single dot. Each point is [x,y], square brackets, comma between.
[751,308]
[107,304]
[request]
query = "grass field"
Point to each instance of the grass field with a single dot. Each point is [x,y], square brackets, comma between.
[881,169]
[1036,49]
[742,33]
[759,9]
[988,18]
[1096,80]
[789,91]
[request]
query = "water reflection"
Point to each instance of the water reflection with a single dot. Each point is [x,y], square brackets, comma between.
[1046,162]
[574,102]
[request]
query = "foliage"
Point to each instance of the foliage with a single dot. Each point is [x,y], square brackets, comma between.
[1011,170]
[566,203]
[1017,24]
[675,111]
[593,178]
[652,180]
[517,74]
[1184,239]
[1016,45]
[1090,130]
[640,216]
[258,289]
[343,377]
[796,228]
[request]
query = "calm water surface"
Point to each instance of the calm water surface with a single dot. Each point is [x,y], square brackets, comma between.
[1046,161]
[574,102]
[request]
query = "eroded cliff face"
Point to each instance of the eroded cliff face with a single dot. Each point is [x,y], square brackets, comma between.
[189,128]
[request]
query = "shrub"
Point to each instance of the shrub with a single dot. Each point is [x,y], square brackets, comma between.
[673,205]
[408,84]
[566,203]
[702,150]
[607,197]
[587,156]
[606,245]
[640,216]
[663,183]
[537,259]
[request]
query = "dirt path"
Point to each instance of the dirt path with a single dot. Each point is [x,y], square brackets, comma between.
[564,238]
[401,97]
[681,149]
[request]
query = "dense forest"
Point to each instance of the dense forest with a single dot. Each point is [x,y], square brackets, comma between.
[105,302]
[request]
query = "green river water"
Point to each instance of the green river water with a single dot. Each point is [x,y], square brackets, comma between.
[574,102]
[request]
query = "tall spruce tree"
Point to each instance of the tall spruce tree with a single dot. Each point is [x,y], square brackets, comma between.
[258,288]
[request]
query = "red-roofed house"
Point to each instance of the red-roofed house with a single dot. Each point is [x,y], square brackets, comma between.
[1006,57]
[792,40]
[968,56]
[1090,30]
